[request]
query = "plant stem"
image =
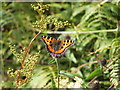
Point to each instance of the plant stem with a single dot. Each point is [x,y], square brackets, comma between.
[26,53]
[58,70]
[28,48]
[74,32]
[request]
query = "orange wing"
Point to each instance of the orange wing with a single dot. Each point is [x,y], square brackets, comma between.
[65,45]
[48,41]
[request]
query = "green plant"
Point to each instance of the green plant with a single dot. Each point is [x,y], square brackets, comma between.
[28,61]
[94,59]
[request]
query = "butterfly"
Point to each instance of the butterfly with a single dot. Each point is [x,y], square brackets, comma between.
[56,48]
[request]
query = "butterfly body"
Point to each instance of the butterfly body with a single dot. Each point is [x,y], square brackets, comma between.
[56,48]
[56,45]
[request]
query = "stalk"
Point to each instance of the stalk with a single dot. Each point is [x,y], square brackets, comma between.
[58,71]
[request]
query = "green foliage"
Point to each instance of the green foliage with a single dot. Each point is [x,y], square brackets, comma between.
[46,20]
[96,72]
[25,71]
[63,73]
[42,77]
[115,62]
[97,40]
[19,56]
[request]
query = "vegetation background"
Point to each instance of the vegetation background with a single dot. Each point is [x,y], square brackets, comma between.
[94,60]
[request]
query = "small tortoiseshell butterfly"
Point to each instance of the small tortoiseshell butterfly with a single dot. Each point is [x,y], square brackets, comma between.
[56,48]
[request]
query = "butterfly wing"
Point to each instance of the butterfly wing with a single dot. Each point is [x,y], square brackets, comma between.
[48,42]
[51,44]
[65,45]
